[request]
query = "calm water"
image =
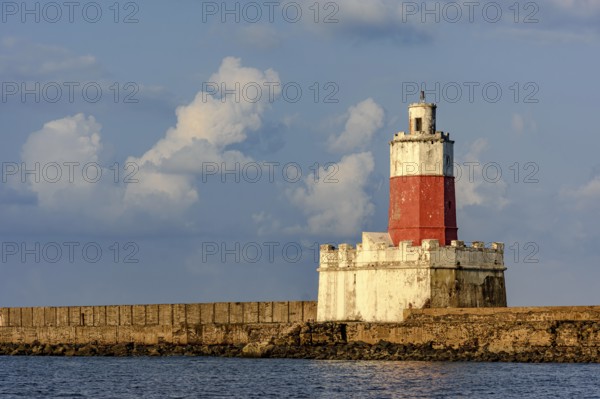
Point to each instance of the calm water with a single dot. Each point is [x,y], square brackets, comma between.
[182,377]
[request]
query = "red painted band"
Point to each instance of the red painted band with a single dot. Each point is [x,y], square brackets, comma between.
[422,207]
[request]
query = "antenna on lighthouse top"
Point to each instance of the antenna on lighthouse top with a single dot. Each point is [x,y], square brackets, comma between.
[422,96]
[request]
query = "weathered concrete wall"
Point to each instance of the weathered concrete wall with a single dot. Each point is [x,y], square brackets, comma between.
[350,295]
[465,288]
[421,155]
[376,281]
[426,112]
[501,328]
[512,334]
[148,324]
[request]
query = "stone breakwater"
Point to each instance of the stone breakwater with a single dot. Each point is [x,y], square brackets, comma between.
[550,334]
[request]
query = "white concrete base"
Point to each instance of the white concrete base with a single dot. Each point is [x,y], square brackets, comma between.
[376,281]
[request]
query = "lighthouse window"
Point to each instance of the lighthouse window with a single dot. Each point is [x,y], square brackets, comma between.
[418,124]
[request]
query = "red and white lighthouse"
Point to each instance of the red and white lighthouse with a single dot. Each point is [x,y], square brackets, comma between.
[422,199]
[419,263]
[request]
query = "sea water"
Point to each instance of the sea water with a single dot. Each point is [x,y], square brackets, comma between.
[204,377]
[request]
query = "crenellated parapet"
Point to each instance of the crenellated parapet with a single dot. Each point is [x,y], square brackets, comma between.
[429,254]
[436,136]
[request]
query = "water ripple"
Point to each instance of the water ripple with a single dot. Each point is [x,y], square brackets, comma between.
[185,377]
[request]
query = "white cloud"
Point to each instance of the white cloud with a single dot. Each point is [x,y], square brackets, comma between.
[166,172]
[476,180]
[418,22]
[266,223]
[372,20]
[209,118]
[67,176]
[261,36]
[363,120]
[518,123]
[79,62]
[341,207]
[551,36]
[25,60]
[578,7]
[204,129]
[585,197]
[59,152]
[74,138]
[373,12]
[523,124]
[564,21]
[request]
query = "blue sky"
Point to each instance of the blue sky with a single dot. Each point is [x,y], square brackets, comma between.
[131,205]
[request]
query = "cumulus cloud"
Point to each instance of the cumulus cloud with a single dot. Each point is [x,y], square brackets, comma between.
[216,120]
[476,181]
[204,129]
[338,207]
[62,173]
[58,155]
[363,120]
[340,204]
[74,138]
[164,176]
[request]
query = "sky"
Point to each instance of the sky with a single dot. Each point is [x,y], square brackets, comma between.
[200,151]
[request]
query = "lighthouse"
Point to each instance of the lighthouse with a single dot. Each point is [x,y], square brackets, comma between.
[419,262]
[422,199]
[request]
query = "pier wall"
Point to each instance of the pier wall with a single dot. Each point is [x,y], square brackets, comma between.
[148,324]
[287,329]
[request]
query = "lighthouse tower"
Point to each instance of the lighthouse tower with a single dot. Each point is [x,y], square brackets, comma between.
[422,200]
[419,262]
